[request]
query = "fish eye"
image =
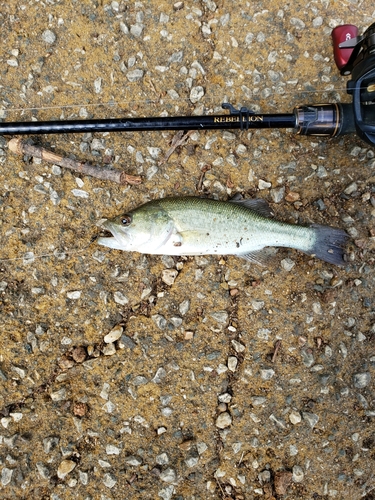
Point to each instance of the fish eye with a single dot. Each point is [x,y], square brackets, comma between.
[126,219]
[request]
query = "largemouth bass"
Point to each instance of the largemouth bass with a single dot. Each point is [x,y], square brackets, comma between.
[199,226]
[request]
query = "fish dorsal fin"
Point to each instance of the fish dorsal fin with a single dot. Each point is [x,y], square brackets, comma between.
[257,205]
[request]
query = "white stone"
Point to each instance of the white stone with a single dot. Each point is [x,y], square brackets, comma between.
[264,184]
[114,334]
[196,94]
[298,474]
[168,476]
[295,417]
[169,275]
[223,420]
[232,363]
[120,298]
[134,75]
[48,36]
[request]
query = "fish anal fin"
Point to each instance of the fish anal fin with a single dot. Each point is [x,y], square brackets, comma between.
[257,258]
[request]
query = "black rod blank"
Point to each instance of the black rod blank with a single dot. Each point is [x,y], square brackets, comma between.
[210,122]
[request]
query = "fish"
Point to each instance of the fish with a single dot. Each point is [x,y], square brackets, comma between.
[202,226]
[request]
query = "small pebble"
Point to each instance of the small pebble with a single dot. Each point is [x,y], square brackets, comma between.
[298,474]
[79,354]
[277,194]
[43,470]
[140,380]
[267,374]
[311,418]
[65,467]
[6,475]
[58,395]
[159,376]
[159,321]
[287,264]
[162,459]
[232,363]
[352,188]
[282,482]
[109,480]
[220,316]
[168,276]
[109,349]
[361,380]
[292,196]
[135,75]
[223,420]
[65,363]
[80,409]
[112,450]
[222,407]
[191,462]
[225,398]
[295,417]
[196,94]
[186,445]
[49,36]
[184,307]
[133,460]
[238,346]
[176,321]
[257,304]
[50,443]
[12,62]
[168,475]
[114,334]
[264,184]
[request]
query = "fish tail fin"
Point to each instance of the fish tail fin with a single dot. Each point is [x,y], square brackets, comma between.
[329,244]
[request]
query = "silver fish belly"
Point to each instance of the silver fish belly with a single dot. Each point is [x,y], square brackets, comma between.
[198,226]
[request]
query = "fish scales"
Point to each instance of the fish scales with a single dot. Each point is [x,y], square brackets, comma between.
[199,226]
[208,227]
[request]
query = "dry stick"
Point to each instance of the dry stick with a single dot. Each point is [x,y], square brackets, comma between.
[106,174]
[178,140]
[277,347]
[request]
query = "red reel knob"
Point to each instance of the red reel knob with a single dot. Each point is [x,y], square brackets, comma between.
[342,34]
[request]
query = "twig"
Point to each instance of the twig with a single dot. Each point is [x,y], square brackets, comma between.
[178,140]
[277,347]
[204,169]
[104,173]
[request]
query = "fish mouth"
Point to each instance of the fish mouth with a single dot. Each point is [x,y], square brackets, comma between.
[106,233]
[111,238]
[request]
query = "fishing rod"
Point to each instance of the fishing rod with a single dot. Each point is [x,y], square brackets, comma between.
[354,55]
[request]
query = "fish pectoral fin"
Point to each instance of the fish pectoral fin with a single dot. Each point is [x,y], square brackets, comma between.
[257,205]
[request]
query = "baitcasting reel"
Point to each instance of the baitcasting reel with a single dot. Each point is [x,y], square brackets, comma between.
[355,56]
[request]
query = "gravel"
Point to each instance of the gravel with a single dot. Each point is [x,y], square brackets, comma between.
[164,376]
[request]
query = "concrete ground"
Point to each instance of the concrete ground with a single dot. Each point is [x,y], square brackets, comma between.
[134,376]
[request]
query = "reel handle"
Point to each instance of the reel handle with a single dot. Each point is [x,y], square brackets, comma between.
[342,34]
